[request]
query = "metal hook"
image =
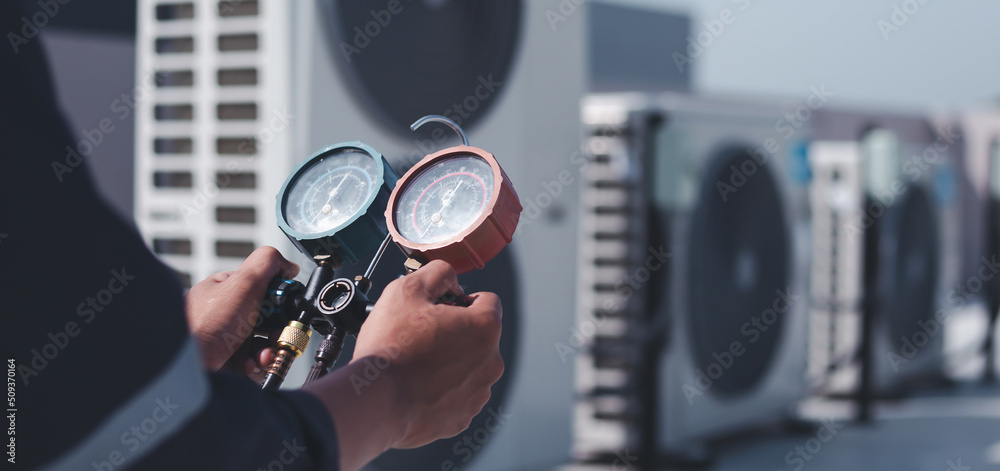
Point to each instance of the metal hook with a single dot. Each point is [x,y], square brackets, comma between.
[440,119]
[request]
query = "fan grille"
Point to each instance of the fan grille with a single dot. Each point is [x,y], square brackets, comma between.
[738,272]
[445,57]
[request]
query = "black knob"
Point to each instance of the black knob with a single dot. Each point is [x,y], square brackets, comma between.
[281,303]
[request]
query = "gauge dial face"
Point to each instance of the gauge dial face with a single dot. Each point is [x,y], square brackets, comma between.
[331,191]
[444,199]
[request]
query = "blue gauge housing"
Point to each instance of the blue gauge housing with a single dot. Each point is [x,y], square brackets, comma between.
[362,232]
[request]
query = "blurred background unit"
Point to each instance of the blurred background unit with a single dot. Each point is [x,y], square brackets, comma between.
[978,171]
[212,131]
[712,283]
[246,89]
[610,313]
[890,224]
[835,284]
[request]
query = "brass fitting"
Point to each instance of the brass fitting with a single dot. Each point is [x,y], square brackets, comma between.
[295,337]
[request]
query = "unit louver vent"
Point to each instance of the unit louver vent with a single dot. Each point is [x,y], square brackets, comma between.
[612,239]
[197,154]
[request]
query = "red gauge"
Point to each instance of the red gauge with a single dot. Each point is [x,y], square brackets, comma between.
[455,205]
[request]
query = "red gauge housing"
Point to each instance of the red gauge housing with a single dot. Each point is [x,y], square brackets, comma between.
[477,244]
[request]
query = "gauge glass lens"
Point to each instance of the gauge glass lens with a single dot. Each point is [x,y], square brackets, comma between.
[330,192]
[444,199]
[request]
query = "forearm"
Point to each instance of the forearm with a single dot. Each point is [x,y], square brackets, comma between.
[368,412]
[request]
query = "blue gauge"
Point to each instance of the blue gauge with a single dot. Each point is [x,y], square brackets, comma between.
[333,202]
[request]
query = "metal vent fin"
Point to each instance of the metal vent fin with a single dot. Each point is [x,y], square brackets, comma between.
[611,234]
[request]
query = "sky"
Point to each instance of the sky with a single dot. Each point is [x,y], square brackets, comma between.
[934,54]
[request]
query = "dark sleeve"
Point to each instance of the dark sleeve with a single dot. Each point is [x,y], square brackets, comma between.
[105,375]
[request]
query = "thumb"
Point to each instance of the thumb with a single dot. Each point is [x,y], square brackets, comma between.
[437,279]
[262,265]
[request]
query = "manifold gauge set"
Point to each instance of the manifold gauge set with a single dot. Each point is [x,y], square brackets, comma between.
[345,203]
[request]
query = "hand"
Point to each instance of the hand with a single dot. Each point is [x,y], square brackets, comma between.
[433,367]
[443,359]
[222,311]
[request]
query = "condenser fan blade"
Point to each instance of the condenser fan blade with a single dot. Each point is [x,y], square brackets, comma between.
[425,57]
[739,270]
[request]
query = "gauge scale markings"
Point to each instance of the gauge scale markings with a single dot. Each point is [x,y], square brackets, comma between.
[327,200]
[443,209]
[437,218]
[349,173]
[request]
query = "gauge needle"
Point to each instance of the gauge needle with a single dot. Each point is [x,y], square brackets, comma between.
[332,194]
[446,202]
[447,199]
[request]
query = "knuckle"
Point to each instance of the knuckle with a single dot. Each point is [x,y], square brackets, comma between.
[449,272]
[498,367]
[491,302]
[482,399]
[265,259]
[486,323]
[444,267]
[497,304]
[268,252]
[410,284]
[248,275]
[462,424]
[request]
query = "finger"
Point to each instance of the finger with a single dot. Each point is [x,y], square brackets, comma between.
[437,279]
[221,276]
[264,264]
[486,301]
[256,364]
[252,371]
[263,350]
[266,356]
